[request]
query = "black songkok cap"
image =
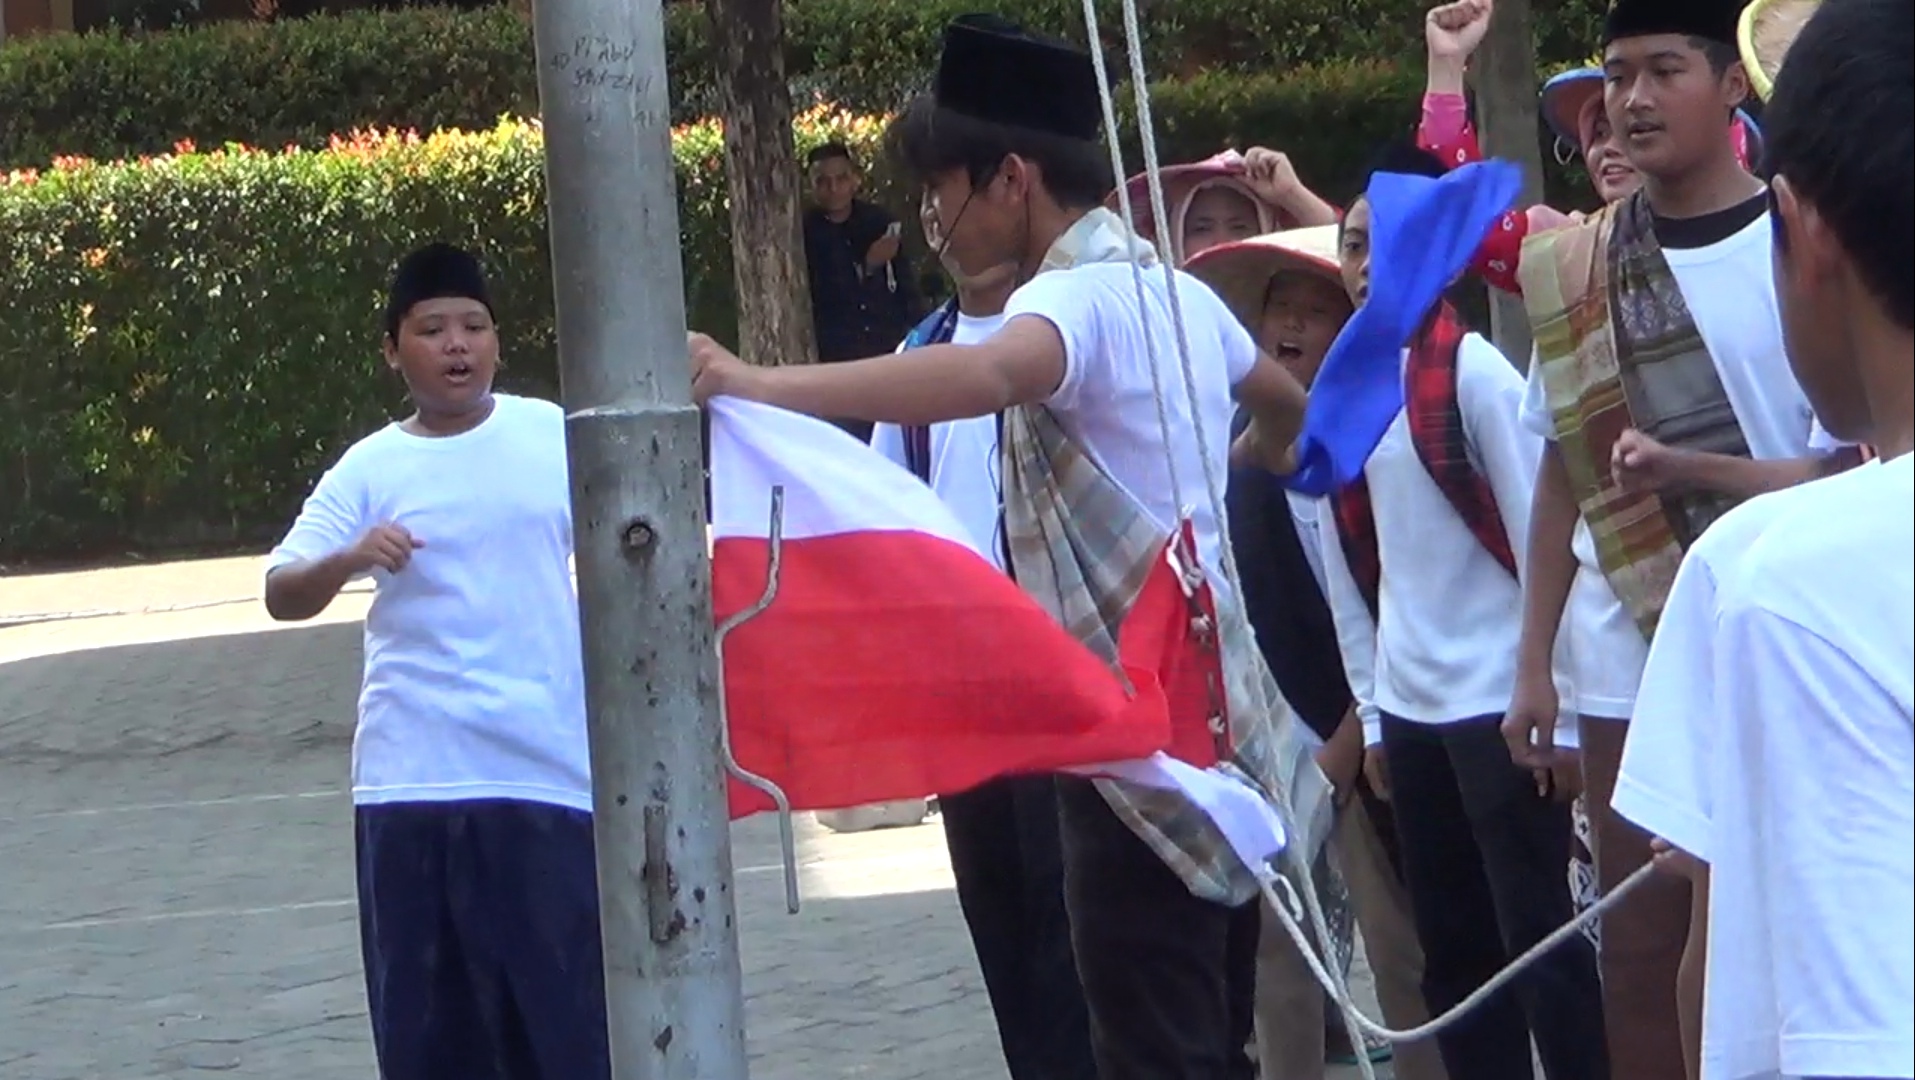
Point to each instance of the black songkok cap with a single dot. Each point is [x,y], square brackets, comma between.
[434,272]
[996,71]
[1711,19]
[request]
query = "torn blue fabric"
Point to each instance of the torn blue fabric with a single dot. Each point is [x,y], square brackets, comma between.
[1423,233]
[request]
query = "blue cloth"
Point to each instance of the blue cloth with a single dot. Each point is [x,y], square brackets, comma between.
[935,328]
[1423,233]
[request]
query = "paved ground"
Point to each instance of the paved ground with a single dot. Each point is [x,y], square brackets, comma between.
[176,894]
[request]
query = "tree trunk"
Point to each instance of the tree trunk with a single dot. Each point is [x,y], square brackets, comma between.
[1505,83]
[761,171]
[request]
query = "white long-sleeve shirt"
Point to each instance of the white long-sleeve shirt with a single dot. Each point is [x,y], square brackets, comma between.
[1443,645]
[1356,630]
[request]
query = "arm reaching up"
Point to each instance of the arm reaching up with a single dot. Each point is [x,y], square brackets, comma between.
[1272,175]
[1451,33]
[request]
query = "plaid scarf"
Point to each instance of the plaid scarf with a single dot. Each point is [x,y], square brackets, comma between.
[1436,430]
[936,328]
[1082,547]
[1618,349]
[1356,535]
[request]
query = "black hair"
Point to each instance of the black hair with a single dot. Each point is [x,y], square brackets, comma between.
[828,152]
[1838,129]
[926,141]
[1720,54]
[1403,155]
[1278,276]
[1397,155]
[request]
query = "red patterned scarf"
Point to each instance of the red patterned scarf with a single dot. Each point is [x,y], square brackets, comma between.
[1437,431]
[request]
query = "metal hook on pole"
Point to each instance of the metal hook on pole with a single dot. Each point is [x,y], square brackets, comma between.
[786,841]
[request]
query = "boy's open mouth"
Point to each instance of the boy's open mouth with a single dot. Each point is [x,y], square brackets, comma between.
[1289,350]
[458,370]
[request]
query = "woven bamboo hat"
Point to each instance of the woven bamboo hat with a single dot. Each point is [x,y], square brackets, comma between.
[1764,34]
[1240,272]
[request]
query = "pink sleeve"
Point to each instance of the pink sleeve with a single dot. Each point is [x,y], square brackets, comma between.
[1446,131]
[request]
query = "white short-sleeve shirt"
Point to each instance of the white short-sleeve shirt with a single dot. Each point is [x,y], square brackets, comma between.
[1730,289]
[1442,647]
[1775,738]
[1107,402]
[473,687]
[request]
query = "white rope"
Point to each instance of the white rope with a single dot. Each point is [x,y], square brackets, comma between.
[1339,989]
[1238,624]
[1137,272]
[1355,1022]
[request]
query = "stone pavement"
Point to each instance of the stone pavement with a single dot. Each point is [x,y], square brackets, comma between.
[176,899]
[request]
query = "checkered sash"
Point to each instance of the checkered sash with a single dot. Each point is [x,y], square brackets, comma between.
[1436,430]
[1082,547]
[1356,535]
[1619,350]
[1435,417]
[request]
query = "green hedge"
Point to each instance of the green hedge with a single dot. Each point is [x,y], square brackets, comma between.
[108,96]
[188,340]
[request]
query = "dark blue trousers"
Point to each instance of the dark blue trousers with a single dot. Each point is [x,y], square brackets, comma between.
[479,925]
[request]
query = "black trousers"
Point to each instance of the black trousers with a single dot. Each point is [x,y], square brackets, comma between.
[1486,861]
[479,925]
[1009,863]
[1170,979]
[858,429]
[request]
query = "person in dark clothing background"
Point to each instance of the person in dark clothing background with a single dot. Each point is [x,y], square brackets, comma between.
[863,297]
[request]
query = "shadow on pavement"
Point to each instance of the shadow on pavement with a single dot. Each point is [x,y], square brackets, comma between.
[287,687]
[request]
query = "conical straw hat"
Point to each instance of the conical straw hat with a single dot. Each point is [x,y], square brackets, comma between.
[1240,271]
[1767,29]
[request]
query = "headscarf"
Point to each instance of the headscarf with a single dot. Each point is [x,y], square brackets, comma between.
[1180,213]
[1181,184]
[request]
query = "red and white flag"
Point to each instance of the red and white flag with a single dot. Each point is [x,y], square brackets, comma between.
[896,661]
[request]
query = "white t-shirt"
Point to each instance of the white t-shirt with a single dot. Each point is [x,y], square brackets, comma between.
[1730,290]
[473,684]
[1106,403]
[1449,614]
[1305,511]
[1822,442]
[1775,738]
[964,458]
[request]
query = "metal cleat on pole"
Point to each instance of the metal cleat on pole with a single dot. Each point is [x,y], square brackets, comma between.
[788,844]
